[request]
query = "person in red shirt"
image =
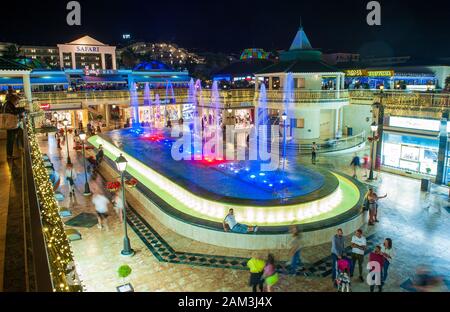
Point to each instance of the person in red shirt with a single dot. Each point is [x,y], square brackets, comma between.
[376,256]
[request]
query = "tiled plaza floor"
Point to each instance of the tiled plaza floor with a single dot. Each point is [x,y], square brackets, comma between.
[418,224]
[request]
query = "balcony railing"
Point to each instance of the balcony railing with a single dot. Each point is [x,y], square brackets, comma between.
[304,96]
[52,260]
[235,97]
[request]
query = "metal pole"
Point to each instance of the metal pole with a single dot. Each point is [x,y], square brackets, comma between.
[284,144]
[372,156]
[67,145]
[127,250]
[87,190]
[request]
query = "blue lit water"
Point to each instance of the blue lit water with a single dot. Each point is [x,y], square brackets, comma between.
[230,179]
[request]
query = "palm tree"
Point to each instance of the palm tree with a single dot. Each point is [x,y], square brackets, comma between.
[129,59]
[12,52]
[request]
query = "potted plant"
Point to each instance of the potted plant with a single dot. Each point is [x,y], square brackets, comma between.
[124,271]
[428,170]
[113,186]
[131,182]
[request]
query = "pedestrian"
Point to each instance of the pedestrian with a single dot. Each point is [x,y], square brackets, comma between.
[99,155]
[337,251]
[270,274]
[71,175]
[359,245]
[230,224]
[118,205]
[314,153]
[294,252]
[10,107]
[366,164]
[388,254]
[376,256]
[101,207]
[372,199]
[256,266]
[58,140]
[355,163]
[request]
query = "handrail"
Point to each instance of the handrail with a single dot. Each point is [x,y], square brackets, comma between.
[333,145]
[41,279]
[50,244]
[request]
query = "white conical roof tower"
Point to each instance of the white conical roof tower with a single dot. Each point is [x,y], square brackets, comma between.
[301,41]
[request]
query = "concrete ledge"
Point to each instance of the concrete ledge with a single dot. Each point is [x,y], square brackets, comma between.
[216,236]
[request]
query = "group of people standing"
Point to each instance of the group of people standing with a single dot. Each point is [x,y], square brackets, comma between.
[383,255]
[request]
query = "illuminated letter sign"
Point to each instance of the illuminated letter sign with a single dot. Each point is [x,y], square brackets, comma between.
[355,72]
[381,73]
[87,49]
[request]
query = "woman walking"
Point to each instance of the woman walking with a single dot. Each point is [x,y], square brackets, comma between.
[388,254]
[270,275]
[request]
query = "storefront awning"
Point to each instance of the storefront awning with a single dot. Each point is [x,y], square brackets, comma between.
[171,79]
[14,81]
[105,79]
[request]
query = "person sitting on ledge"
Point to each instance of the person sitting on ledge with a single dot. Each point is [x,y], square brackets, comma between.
[230,224]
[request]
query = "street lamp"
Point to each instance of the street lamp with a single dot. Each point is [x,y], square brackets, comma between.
[374,128]
[87,190]
[284,117]
[121,164]
[65,122]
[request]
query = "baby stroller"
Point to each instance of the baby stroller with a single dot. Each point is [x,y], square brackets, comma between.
[343,280]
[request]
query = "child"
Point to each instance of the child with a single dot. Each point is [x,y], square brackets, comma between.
[270,275]
[343,280]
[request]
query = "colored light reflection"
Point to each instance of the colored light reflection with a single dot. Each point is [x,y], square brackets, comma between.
[157,137]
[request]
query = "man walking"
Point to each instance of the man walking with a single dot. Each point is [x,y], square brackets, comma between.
[359,245]
[313,153]
[337,250]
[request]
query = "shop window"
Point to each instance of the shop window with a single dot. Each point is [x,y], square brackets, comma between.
[275,83]
[299,123]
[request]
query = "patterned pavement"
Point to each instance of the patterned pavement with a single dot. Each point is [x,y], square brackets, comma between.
[417,222]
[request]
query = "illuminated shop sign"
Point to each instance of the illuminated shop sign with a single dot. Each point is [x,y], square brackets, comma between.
[416,123]
[96,72]
[380,73]
[87,49]
[368,73]
[356,72]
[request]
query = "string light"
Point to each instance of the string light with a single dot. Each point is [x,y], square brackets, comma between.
[58,248]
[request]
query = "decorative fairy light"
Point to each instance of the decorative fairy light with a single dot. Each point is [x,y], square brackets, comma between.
[59,253]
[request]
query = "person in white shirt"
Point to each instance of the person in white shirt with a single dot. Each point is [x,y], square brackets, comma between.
[359,245]
[230,223]
[71,175]
[101,207]
[388,253]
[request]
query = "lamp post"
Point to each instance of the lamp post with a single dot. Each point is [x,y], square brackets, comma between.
[284,117]
[87,190]
[374,128]
[121,164]
[65,122]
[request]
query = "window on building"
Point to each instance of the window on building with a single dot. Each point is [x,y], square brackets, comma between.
[276,83]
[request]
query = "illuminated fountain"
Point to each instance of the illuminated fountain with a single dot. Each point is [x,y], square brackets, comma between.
[193,195]
[134,103]
[148,102]
[157,114]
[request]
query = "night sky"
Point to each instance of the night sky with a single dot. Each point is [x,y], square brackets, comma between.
[418,28]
